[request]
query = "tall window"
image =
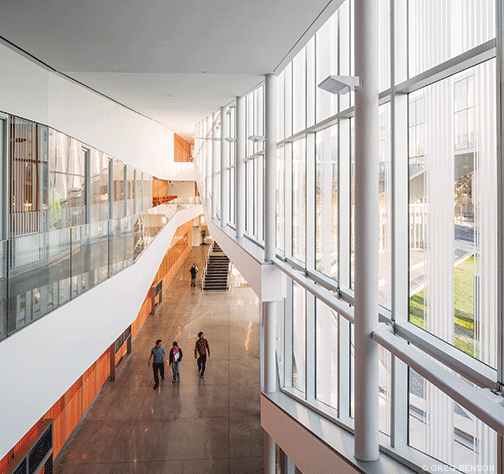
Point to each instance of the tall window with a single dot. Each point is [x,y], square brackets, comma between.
[452,212]
[298,338]
[327,202]
[299,200]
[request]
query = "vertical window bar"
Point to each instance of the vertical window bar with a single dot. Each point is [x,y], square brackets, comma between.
[87,185]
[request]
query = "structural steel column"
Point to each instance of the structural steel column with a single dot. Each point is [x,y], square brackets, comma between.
[269,454]
[366,231]
[270,169]
[224,171]
[240,167]
[500,208]
[270,308]
[215,159]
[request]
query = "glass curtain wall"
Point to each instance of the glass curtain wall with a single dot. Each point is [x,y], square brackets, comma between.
[61,238]
[437,140]
[254,164]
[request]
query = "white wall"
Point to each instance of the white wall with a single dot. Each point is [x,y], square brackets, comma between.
[39,363]
[181,189]
[35,93]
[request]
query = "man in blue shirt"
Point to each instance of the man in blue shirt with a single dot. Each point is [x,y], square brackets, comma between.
[158,352]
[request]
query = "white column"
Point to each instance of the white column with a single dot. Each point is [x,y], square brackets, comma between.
[215,169]
[500,209]
[240,167]
[224,195]
[270,311]
[269,455]
[366,231]
[270,308]
[270,169]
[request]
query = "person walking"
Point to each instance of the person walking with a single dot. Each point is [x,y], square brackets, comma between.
[200,353]
[158,353]
[194,272]
[174,361]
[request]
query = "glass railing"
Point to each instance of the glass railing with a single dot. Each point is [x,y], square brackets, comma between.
[40,272]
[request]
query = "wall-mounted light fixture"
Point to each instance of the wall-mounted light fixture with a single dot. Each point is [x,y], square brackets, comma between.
[340,84]
[256,138]
[230,139]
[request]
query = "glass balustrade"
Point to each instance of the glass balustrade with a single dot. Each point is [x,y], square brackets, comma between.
[42,271]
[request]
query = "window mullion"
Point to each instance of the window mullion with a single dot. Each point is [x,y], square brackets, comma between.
[399,226]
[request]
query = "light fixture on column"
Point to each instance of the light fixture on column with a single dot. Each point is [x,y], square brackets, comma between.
[257,138]
[230,139]
[340,84]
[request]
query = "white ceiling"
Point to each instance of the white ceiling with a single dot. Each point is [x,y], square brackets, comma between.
[174,62]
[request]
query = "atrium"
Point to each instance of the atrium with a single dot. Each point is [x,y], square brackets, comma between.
[346,155]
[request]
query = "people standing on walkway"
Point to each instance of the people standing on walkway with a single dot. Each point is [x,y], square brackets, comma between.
[175,359]
[194,272]
[158,352]
[200,353]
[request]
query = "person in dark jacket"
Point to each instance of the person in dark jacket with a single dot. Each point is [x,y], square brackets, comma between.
[194,273]
[175,359]
[201,349]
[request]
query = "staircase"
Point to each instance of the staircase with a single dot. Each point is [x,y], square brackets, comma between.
[216,275]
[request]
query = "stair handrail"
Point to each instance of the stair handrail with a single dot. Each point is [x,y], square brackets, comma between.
[228,282]
[206,266]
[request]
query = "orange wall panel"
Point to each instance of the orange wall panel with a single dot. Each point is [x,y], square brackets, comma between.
[88,387]
[69,409]
[73,407]
[181,150]
[56,413]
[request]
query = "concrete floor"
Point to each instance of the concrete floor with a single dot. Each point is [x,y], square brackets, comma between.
[209,425]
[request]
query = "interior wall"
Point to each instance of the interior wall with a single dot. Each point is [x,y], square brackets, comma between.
[182,189]
[34,92]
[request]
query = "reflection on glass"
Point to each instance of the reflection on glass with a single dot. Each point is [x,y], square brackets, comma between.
[118,207]
[76,183]
[121,244]
[28,177]
[327,64]
[384,197]
[99,183]
[280,199]
[53,254]
[446,431]
[327,202]
[433,40]
[298,199]
[280,106]
[384,375]
[327,355]
[299,91]
[3,289]
[453,201]
[298,337]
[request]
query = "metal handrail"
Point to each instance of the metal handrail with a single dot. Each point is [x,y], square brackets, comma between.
[206,266]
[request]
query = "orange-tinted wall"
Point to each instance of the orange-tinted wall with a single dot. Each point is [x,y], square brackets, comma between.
[160,191]
[182,150]
[69,409]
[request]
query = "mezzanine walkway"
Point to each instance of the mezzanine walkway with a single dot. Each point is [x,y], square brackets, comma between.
[209,425]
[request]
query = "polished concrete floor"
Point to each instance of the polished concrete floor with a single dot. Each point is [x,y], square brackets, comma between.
[209,425]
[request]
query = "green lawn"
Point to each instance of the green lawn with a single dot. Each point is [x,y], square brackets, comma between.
[463,302]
